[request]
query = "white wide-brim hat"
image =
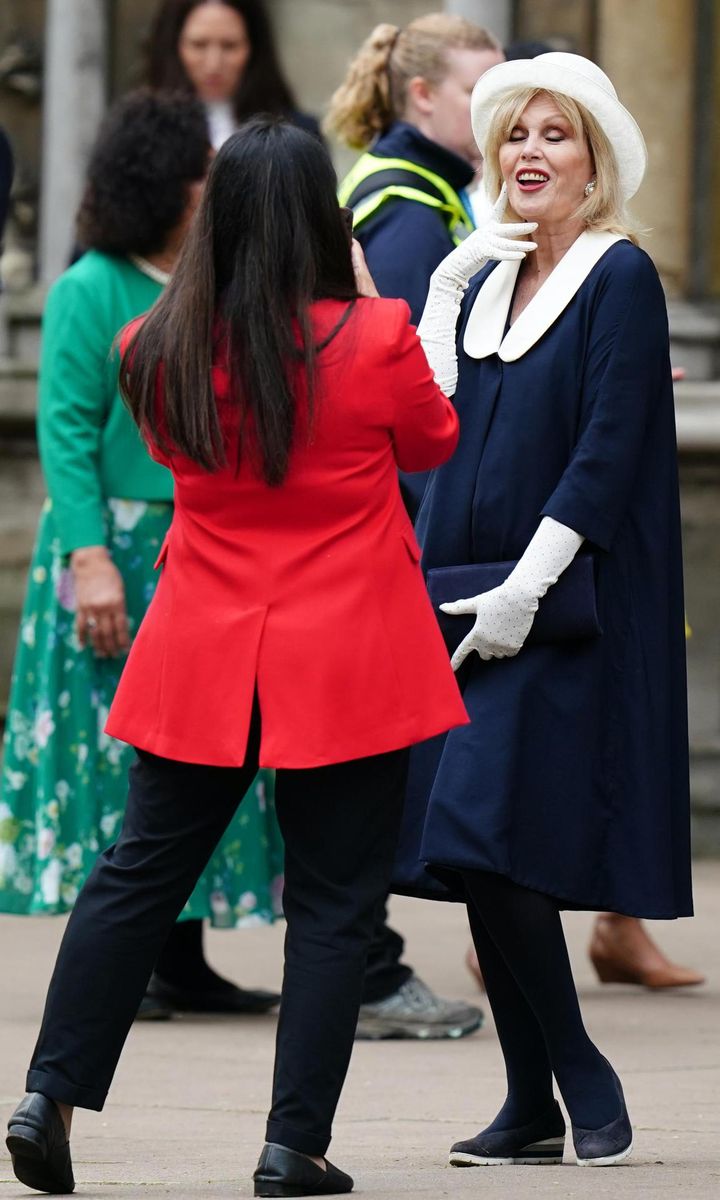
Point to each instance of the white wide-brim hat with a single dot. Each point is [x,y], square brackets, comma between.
[575,76]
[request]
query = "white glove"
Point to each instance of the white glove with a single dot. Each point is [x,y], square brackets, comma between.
[504,616]
[438,324]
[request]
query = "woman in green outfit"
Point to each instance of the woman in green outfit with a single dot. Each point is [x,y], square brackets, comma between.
[64,781]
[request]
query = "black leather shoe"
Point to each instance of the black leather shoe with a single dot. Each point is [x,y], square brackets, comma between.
[152,1009]
[39,1146]
[227,999]
[606,1146]
[283,1172]
[540,1142]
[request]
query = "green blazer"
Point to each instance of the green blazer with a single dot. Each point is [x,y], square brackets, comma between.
[90,448]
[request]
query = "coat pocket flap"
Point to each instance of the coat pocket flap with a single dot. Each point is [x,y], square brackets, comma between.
[412,547]
[163,553]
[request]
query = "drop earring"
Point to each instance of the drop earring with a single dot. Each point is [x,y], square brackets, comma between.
[590,187]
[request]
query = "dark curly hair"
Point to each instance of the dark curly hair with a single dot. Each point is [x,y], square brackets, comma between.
[262,87]
[149,148]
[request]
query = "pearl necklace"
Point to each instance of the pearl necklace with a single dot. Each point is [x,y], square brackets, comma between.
[147,268]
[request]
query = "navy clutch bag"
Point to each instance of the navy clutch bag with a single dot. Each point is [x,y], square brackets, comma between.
[567,611]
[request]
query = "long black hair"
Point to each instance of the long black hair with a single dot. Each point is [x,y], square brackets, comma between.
[262,87]
[267,240]
[149,149]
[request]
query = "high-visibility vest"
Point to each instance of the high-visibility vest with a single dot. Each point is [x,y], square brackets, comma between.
[375,180]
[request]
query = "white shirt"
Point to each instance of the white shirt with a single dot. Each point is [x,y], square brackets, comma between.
[221,121]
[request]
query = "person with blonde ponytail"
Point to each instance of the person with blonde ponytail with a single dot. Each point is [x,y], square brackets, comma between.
[406,102]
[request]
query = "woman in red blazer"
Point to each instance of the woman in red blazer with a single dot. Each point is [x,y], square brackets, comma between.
[290,628]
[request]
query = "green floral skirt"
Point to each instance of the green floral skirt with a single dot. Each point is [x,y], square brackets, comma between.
[64,781]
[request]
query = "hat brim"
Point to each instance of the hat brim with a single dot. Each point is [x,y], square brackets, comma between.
[620,128]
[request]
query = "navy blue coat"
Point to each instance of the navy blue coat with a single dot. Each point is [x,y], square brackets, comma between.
[573,777]
[405,241]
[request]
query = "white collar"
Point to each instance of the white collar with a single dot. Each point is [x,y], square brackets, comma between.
[222,122]
[149,269]
[486,323]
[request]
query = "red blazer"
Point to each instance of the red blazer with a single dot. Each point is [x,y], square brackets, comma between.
[312,591]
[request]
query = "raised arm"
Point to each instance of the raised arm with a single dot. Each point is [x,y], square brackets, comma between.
[437,329]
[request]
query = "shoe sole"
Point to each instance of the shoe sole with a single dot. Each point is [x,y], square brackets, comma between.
[277,1189]
[609,1160]
[27,1145]
[537,1154]
[28,1151]
[155,1014]
[370,1030]
[287,1189]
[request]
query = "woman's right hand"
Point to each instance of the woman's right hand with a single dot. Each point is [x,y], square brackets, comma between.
[438,325]
[101,615]
[493,239]
[363,279]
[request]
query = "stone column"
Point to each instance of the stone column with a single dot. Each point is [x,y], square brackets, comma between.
[650,57]
[495,15]
[74,101]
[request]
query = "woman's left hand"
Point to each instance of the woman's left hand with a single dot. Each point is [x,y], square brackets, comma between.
[363,279]
[503,620]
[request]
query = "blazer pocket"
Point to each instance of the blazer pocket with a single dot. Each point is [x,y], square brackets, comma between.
[163,553]
[411,543]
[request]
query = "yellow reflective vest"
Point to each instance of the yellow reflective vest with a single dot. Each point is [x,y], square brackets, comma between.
[375,180]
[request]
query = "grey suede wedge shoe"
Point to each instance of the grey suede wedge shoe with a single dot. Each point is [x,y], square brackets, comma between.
[609,1145]
[539,1143]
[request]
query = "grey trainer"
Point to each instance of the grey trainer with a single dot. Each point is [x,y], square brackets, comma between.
[414,1011]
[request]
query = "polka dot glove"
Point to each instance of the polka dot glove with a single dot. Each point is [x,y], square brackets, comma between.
[504,616]
[438,325]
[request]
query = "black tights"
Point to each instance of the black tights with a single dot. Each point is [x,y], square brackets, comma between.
[182,960]
[520,945]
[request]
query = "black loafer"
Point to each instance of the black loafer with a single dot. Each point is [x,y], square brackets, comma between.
[606,1146]
[540,1142]
[227,999]
[39,1146]
[152,1009]
[283,1172]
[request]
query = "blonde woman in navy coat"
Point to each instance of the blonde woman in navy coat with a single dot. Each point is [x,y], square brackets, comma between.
[570,787]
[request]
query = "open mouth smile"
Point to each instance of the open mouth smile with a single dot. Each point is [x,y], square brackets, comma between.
[531,181]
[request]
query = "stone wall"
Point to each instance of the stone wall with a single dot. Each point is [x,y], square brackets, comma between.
[700,484]
[656,82]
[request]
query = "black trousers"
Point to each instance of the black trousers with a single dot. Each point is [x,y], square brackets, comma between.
[340,825]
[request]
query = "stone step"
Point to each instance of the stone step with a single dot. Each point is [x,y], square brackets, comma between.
[18,397]
[22,313]
[695,339]
[697,409]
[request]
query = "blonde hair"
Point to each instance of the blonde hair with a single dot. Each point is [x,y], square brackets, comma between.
[374,91]
[604,209]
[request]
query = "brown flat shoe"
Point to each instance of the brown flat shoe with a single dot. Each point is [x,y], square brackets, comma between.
[622,951]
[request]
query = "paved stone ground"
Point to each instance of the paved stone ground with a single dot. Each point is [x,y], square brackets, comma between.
[185,1116]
